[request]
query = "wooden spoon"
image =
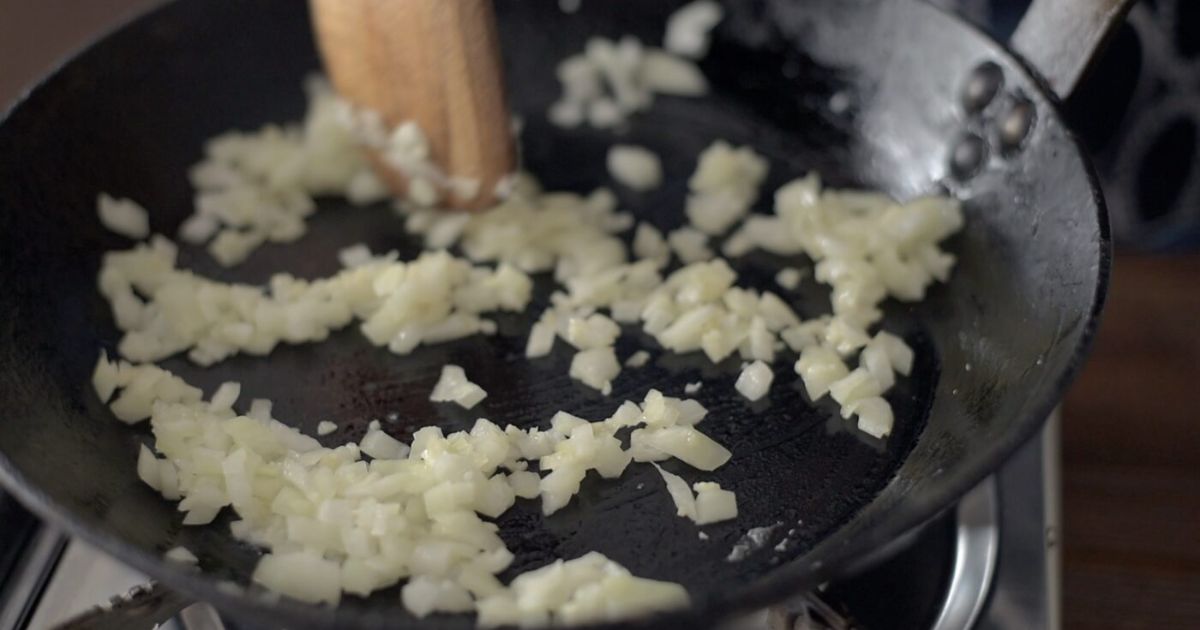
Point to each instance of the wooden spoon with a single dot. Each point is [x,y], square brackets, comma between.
[435,62]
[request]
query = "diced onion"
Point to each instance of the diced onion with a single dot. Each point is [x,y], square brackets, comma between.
[304,575]
[688,28]
[874,416]
[690,244]
[755,381]
[453,386]
[596,368]
[637,359]
[714,504]
[723,187]
[690,446]
[380,445]
[789,278]
[819,368]
[681,494]
[369,515]
[181,555]
[855,386]
[123,216]
[610,80]
[648,243]
[636,167]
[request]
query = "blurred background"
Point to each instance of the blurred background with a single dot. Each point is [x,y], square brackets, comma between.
[1131,448]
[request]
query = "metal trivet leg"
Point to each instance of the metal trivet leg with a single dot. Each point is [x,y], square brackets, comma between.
[807,612]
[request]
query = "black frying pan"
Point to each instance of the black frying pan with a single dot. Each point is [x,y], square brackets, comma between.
[869,93]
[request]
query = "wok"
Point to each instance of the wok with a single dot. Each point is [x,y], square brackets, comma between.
[887,94]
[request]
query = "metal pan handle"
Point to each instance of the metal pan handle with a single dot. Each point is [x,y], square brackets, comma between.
[1060,38]
[142,608]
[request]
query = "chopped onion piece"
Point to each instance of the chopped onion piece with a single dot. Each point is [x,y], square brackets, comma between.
[559,486]
[688,28]
[525,484]
[541,335]
[260,409]
[665,73]
[354,256]
[380,445]
[181,555]
[714,504]
[724,186]
[612,79]
[303,575]
[898,352]
[453,386]
[789,278]
[593,331]
[424,595]
[874,416]
[853,387]
[875,360]
[637,359]
[803,335]
[844,337]
[755,380]
[690,244]
[225,396]
[819,368]
[681,494]
[147,468]
[105,379]
[596,368]
[648,243]
[690,446]
[636,167]
[123,216]
[627,415]
[588,589]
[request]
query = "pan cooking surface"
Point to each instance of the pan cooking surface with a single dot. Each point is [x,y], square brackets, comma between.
[131,115]
[795,464]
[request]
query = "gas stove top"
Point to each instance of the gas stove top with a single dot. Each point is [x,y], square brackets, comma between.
[990,562]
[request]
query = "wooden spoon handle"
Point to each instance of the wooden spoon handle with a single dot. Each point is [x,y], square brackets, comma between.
[435,62]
